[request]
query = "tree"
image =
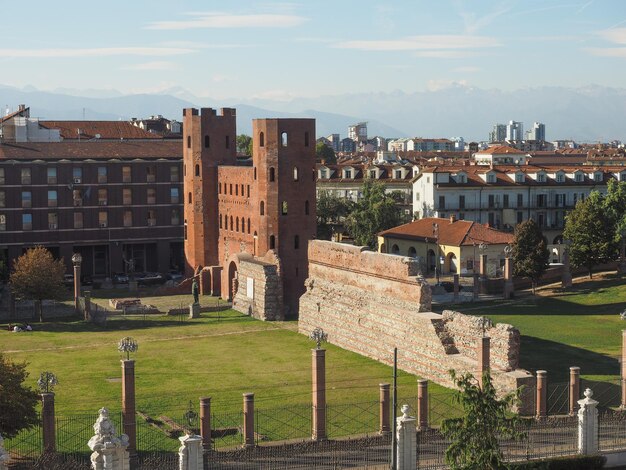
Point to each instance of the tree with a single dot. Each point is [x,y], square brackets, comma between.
[18,404]
[244,144]
[474,437]
[375,212]
[331,210]
[530,252]
[591,232]
[37,276]
[615,208]
[325,153]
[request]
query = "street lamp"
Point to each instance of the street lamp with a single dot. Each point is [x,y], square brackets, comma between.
[319,337]
[427,267]
[77,259]
[47,381]
[127,345]
[442,260]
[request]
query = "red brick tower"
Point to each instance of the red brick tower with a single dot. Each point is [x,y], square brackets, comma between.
[209,141]
[284,183]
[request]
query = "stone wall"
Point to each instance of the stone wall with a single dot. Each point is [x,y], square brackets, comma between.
[371,302]
[259,291]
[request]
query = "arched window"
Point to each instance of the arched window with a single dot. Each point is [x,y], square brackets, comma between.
[242,189]
[237,226]
[231,188]
[284,208]
[197,170]
[248,190]
[412,252]
[249,226]
[272,174]
[220,220]
[188,141]
[306,139]
[306,207]
[226,222]
[243,225]
[207,141]
[261,139]
[395,250]
[220,188]
[189,198]
[227,142]
[295,173]
[283,139]
[231,222]
[236,190]
[262,205]
[272,242]
[255,173]
[296,242]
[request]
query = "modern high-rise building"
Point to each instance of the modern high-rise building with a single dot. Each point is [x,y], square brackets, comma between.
[498,134]
[515,131]
[358,132]
[538,132]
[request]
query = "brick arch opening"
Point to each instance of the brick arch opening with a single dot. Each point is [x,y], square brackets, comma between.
[232,280]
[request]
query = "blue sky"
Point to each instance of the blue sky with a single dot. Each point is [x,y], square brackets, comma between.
[250,49]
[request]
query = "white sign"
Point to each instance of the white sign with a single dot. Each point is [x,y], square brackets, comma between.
[250,288]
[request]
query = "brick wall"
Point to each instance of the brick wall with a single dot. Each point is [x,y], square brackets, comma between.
[260,289]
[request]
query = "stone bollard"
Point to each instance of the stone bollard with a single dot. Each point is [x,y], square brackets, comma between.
[319,394]
[385,403]
[4,456]
[574,389]
[588,425]
[455,280]
[483,355]
[48,422]
[129,421]
[542,394]
[422,404]
[194,310]
[109,451]
[406,441]
[248,419]
[190,456]
[205,423]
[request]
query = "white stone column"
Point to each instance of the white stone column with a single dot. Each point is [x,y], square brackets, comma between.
[109,450]
[4,455]
[406,441]
[190,455]
[587,424]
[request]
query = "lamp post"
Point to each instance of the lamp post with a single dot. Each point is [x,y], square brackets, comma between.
[77,259]
[127,346]
[442,260]
[426,240]
[436,236]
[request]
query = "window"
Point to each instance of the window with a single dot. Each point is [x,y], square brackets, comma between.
[231,223]
[151,196]
[230,189]
[128,218]
[272,242]
[52,198]
[188,141]
[461,178]
[284,208]
[491,201]
[272,175]
[189,198]
[491,178]
[152,218]
[541,200]
[541,178]
[622,176]
[519,177]
[295,173]
[51,173]
[248,225]
[2,199]
[579,178]
[306,207]
[126,174]
[207,141]
[248,190]
[27,199]
[77,174]
[505,201]
[3,222]
[102,174]
[560,178]
[1,175]
[597,176]
[347,174]
[25,175]
[227,141]
[398,174]
[296,242]
[283,139]
[255,173]
[174,174]
[520,217]
[261,139]
[53,221]
[395,249]
[559,200]
[78,220]
[461,202]
[520,200]
[262,208]
[242,189]
[323,174]
[102,197]
[442,202]
[27,221]
[127,196]
[197,173]
[150,174]
[103,219]
[243,225]
[175,217]
[221,224]
[412,252]
[174,198]
[236,190]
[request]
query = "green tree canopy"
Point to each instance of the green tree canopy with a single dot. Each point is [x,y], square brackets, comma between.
[591,232]
[374,212]
[37,276]
[18,404]
[331,211]
[474,437]
[244,144]
[530,252]
[325,153]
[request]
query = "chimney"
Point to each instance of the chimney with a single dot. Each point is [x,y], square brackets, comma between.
[452,218]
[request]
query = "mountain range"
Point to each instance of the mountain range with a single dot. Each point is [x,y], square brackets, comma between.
[586,114]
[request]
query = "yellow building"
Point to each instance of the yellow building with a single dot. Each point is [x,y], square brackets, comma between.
[454,246]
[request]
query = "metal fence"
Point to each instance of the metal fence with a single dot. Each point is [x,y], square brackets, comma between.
[279,424]
[606,391]
[352,419]
[611,431]
[558,398]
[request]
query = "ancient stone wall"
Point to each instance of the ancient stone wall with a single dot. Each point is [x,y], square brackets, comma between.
[372,302]
[259,291]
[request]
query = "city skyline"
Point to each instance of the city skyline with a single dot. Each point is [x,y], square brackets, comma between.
[281,51]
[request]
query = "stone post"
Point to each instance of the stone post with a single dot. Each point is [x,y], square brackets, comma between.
[87,305]
[48,422]
[623,369]
[542,394]
[109,450]
[385,404]
[476,287]
[482,280]
[205,422]
[566,275]
[129,421]
[248,419]
[509,288]
[588,425]
[574,389]
[190,456]
[4,456]
[406,441]
[319,394]
[455,279]
[483,355]
[76,288]
[422,404]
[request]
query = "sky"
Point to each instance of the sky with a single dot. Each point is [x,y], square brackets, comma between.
[275,50]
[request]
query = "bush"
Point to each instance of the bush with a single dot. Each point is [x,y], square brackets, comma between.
[583,462]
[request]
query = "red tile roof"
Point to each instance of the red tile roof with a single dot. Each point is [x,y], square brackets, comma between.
[499,149]
[108,130]
[457,233]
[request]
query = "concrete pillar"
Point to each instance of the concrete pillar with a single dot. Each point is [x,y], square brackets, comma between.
[509,288]
[248,419]
[455,279]
[129,421]
[48,422]
[483,265]
[190,456]
[319,394]
[422,404]
[588,425]
[542,394]
[205,422]
[483,354]
[87,305]
[406,441]
[76,288]
[385,404]
[623,368]
[574,389]
[5,457]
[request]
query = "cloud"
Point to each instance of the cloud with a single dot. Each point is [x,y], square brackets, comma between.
[607,51]
[94,52]
[436,85]
[156,65]
[445,54]
[425,42]
[276,95]
[467,69]
[224,20]
[614,35]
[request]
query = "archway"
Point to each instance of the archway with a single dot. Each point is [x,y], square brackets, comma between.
[412,252]
[395,249]
[452,263]
[232,280]
[431,259]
